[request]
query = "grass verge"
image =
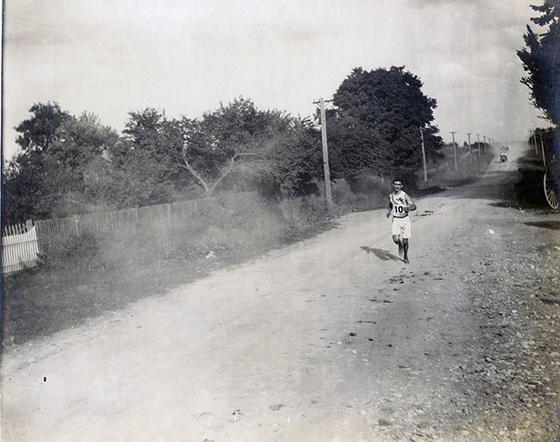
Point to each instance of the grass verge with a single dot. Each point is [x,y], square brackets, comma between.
[93,275]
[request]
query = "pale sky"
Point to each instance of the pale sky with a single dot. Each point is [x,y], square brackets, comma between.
[111,57]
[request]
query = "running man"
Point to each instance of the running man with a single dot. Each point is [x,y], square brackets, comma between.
[399,206]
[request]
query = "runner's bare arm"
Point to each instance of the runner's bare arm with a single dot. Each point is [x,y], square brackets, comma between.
[410,206]
[390,209]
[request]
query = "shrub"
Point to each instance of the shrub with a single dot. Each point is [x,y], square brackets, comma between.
[343,194]
[315,207]
[294,215]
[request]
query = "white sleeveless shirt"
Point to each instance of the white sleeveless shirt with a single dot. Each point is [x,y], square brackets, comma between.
[399,201]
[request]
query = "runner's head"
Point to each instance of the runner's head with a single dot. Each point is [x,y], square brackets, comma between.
[397,183]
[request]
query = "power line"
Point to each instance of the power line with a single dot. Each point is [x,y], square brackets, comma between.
[32,24]
[36,23]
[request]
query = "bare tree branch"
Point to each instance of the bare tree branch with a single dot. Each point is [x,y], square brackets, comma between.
[231,166]
[193,172]
[225,172]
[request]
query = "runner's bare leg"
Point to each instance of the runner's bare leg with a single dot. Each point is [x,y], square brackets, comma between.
[398,242]
[405,248]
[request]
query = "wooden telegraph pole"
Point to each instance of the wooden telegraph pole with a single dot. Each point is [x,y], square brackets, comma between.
[478,144]
[542,150]
[424,156]
[484,144]
[470,147]
[535,141]
[453,132]
[326,171]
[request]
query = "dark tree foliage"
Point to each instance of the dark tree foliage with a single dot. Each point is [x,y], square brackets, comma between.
[47,178]
[541,60]
[293,156]
[23,184]
[353,145]
[376,123]
[235,147]
[240,146]
[225,142]
[39,131]
[71,165]
[143,170]
[80,141]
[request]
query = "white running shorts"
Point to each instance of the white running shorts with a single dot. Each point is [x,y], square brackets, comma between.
[402,227]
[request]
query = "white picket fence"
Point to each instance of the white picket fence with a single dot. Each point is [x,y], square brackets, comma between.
[20,247]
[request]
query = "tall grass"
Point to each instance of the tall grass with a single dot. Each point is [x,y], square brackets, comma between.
[93,274]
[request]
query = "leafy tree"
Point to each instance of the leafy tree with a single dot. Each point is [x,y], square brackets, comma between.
[141,169]
[25,175]
[24,191]
[294,158]
[354,147]
[70,164]
[46,179]
[231,141]
[236,146]
[79,141]
[377,120]
[131,183]
[541,60]
[239,145]
[39,131]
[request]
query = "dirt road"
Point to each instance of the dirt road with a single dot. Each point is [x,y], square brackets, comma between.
[333,338]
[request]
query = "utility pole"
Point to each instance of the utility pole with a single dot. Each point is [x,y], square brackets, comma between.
[453,132]
[424,155]
[326,171]
[478,144]
[542,151]
[470,148]
[484,144]
[535,141]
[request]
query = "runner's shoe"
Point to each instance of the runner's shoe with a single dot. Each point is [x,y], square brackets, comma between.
[405,260]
